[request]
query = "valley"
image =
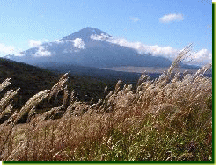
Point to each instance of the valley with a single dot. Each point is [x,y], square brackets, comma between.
[154,70]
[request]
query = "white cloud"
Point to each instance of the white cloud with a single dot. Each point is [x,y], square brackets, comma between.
[171,17]
[58,41]
[199,58]
[36,43]
[134,19]
[101,37]
[42,52]
[79,43]
[140,47]
[5,50]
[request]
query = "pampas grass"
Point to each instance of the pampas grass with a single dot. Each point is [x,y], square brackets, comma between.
[7,99]
[5,84]
[30,104]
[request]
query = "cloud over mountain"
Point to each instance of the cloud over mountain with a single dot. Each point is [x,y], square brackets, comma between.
[141,48]
[42,52]
[201,57]
[4,50]
[79,43]
[34,43]
[95,48]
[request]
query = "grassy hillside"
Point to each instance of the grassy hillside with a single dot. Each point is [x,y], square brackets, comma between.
[165,119]
[32,79]
[28,78]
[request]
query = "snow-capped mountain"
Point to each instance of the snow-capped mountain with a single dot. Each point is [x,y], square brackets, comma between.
[89,47]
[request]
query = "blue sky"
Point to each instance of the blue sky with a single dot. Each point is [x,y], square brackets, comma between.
[166,23]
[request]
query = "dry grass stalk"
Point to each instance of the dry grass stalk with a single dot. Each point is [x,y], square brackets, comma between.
[203,70]
[7,99]
[182,55]
[65,97]
[5,84]
[58,86]
[6,114]
[117,87]
[31,103]
[54,113]
[72,97]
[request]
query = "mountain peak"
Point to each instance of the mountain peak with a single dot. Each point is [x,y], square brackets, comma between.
[85,34]
[91,30]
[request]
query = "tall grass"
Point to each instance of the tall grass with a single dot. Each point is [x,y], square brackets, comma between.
[166,119]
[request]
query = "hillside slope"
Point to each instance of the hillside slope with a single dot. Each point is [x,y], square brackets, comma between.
[89,87]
